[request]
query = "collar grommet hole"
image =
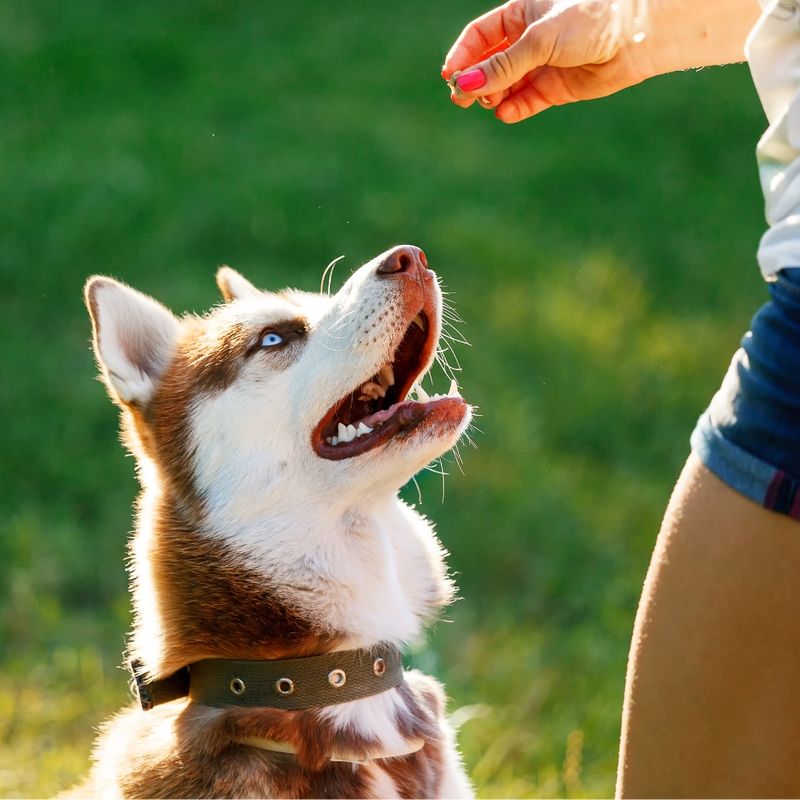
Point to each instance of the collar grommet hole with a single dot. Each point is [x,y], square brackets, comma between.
[379,666]
[237,687]
[337,678]
[284,686]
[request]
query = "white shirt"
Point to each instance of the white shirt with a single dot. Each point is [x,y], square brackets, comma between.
[773,52]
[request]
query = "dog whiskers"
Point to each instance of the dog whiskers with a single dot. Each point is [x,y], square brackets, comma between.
[453,334]
[332,349]
[329,272]
[419,491]
[338,325]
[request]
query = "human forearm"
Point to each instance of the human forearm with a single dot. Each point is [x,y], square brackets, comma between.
[698,33]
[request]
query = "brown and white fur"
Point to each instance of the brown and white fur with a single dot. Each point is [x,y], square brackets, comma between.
[257,538]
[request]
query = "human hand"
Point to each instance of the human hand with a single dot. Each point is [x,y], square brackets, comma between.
[529,55]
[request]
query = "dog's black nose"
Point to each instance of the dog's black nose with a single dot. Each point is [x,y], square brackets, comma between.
[404,258]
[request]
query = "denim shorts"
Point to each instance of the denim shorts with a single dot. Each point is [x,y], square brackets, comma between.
[749,436]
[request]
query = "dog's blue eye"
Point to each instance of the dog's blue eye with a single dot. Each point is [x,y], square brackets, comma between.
[271,339]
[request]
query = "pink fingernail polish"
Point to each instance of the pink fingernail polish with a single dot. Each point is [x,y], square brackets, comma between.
[470,81]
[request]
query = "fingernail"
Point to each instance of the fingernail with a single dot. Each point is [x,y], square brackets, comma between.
[470,81]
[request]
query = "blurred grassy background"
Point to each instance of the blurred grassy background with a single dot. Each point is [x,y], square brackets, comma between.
[600,255]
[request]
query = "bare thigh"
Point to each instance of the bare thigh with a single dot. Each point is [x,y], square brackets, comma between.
[712,699]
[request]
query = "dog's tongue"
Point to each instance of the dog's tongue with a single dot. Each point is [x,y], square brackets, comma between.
[379,417]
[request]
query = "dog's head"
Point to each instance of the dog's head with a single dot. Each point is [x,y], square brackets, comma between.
[279,399]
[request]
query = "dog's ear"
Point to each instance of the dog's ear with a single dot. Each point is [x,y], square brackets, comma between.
[234,286]
[134,337]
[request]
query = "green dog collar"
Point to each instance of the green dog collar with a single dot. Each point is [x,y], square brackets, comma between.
[288,684]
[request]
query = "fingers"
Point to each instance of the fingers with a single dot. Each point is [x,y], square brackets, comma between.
[461,102]
[522,105]
[505,68]
[491,100]
[548,87]
[481,35]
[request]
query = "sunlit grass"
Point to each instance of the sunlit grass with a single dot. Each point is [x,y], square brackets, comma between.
[50,704]
[601,258]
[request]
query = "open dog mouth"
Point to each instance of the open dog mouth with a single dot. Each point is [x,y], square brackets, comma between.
[379,409]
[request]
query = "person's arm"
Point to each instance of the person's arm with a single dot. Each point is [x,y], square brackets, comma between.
[697,33]
[551,53]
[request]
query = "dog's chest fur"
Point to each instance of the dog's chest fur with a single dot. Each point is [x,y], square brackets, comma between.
[187,751]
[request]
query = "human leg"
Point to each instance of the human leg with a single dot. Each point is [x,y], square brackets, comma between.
[712,701]
[713,688]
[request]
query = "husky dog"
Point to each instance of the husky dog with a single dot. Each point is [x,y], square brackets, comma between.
[272,436]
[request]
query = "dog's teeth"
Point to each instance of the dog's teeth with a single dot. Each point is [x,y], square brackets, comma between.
[373,390]
[418,322]
[346,433]
[362,429]
[422,394]
[387,375]
[453,389]
[334,440]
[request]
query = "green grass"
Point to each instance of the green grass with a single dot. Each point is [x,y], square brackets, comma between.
[600,255]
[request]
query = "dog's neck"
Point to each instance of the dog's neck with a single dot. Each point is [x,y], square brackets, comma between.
[267,590]
[283,585]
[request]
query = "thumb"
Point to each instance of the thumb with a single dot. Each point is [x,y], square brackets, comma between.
[503,69]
